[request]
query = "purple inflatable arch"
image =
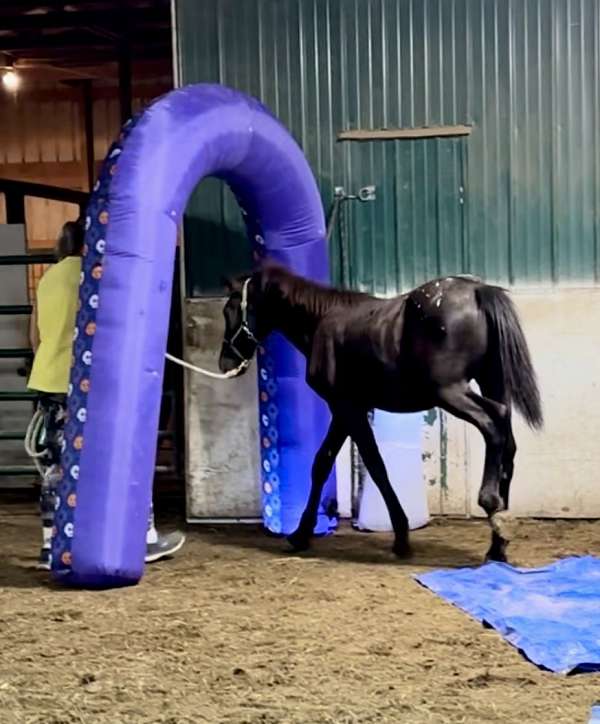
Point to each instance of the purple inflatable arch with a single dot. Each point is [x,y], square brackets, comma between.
[120,339]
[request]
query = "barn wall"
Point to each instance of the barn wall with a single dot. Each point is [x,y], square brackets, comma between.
[522,72]
[43,141]
[517,201]
[556,472]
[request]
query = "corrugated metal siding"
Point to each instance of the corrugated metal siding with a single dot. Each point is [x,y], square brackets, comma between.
[415,229]
[523,72]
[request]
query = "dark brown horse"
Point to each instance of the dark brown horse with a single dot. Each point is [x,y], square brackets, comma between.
[406,354]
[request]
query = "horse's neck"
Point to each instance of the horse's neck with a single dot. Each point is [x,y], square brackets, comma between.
[293,314]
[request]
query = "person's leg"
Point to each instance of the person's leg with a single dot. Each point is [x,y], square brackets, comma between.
[161,545]
[151,532]
[53,409]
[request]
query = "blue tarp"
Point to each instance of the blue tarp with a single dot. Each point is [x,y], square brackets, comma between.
[551,614]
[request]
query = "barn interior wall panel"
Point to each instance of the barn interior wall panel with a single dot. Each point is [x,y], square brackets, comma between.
[517,201]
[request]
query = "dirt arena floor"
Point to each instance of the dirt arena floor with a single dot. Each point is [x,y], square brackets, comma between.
[236,631]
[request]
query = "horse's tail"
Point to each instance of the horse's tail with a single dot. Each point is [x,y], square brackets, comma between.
[520,381]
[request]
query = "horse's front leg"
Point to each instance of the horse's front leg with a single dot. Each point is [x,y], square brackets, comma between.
[321,469]
[362,434]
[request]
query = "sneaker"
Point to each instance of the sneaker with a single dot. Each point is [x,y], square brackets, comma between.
[167,545]
[45,560]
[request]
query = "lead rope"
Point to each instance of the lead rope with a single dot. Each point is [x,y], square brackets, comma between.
[213,375]
[32,435]
[36,425]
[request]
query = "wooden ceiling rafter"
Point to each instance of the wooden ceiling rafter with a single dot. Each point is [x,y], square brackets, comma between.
[84,36]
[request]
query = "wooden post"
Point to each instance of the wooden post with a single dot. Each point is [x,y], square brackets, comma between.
[88,121]
[125,80]
[15,207]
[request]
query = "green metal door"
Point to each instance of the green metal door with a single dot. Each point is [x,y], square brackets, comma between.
[415,229]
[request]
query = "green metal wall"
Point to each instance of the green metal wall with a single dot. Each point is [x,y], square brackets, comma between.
[517,201]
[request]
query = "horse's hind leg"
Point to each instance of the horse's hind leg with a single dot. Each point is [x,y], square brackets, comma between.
[490,418]
[322,466]
[363,436]
[501,532]
[508,464]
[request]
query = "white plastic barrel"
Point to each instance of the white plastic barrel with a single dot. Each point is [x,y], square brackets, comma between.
[399,438]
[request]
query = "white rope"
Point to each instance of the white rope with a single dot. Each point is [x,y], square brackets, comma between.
[37,421]
[32,433]
[213,375]
[31,436]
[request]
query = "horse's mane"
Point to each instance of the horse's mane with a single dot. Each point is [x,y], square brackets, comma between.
[301,292]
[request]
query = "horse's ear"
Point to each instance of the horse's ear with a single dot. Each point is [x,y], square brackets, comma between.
[227,285]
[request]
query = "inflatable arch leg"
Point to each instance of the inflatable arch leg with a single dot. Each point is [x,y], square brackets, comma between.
[122,323]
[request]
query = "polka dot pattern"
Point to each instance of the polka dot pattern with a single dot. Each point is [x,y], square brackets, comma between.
[96,222]
[268,414]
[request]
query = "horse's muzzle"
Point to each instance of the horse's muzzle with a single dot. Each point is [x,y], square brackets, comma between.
[229,362]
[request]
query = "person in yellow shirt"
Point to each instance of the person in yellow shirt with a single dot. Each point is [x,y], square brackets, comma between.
[51,333]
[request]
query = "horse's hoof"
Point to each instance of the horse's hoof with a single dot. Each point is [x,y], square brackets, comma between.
[402,549]
[504,525]
[298,542]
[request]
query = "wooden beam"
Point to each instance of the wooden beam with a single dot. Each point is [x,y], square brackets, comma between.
[64,93]
[32,45]
[392,134]
[44,191]
[25,259]
[71,174]
[16,7]
[60,19]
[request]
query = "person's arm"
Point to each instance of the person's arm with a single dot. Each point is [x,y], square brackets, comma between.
[34,334]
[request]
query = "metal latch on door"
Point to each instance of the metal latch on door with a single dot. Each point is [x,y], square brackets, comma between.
[366,193]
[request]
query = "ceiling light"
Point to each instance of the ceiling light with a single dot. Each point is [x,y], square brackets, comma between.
[11,80]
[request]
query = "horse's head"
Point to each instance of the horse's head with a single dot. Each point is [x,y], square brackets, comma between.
[241,328]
